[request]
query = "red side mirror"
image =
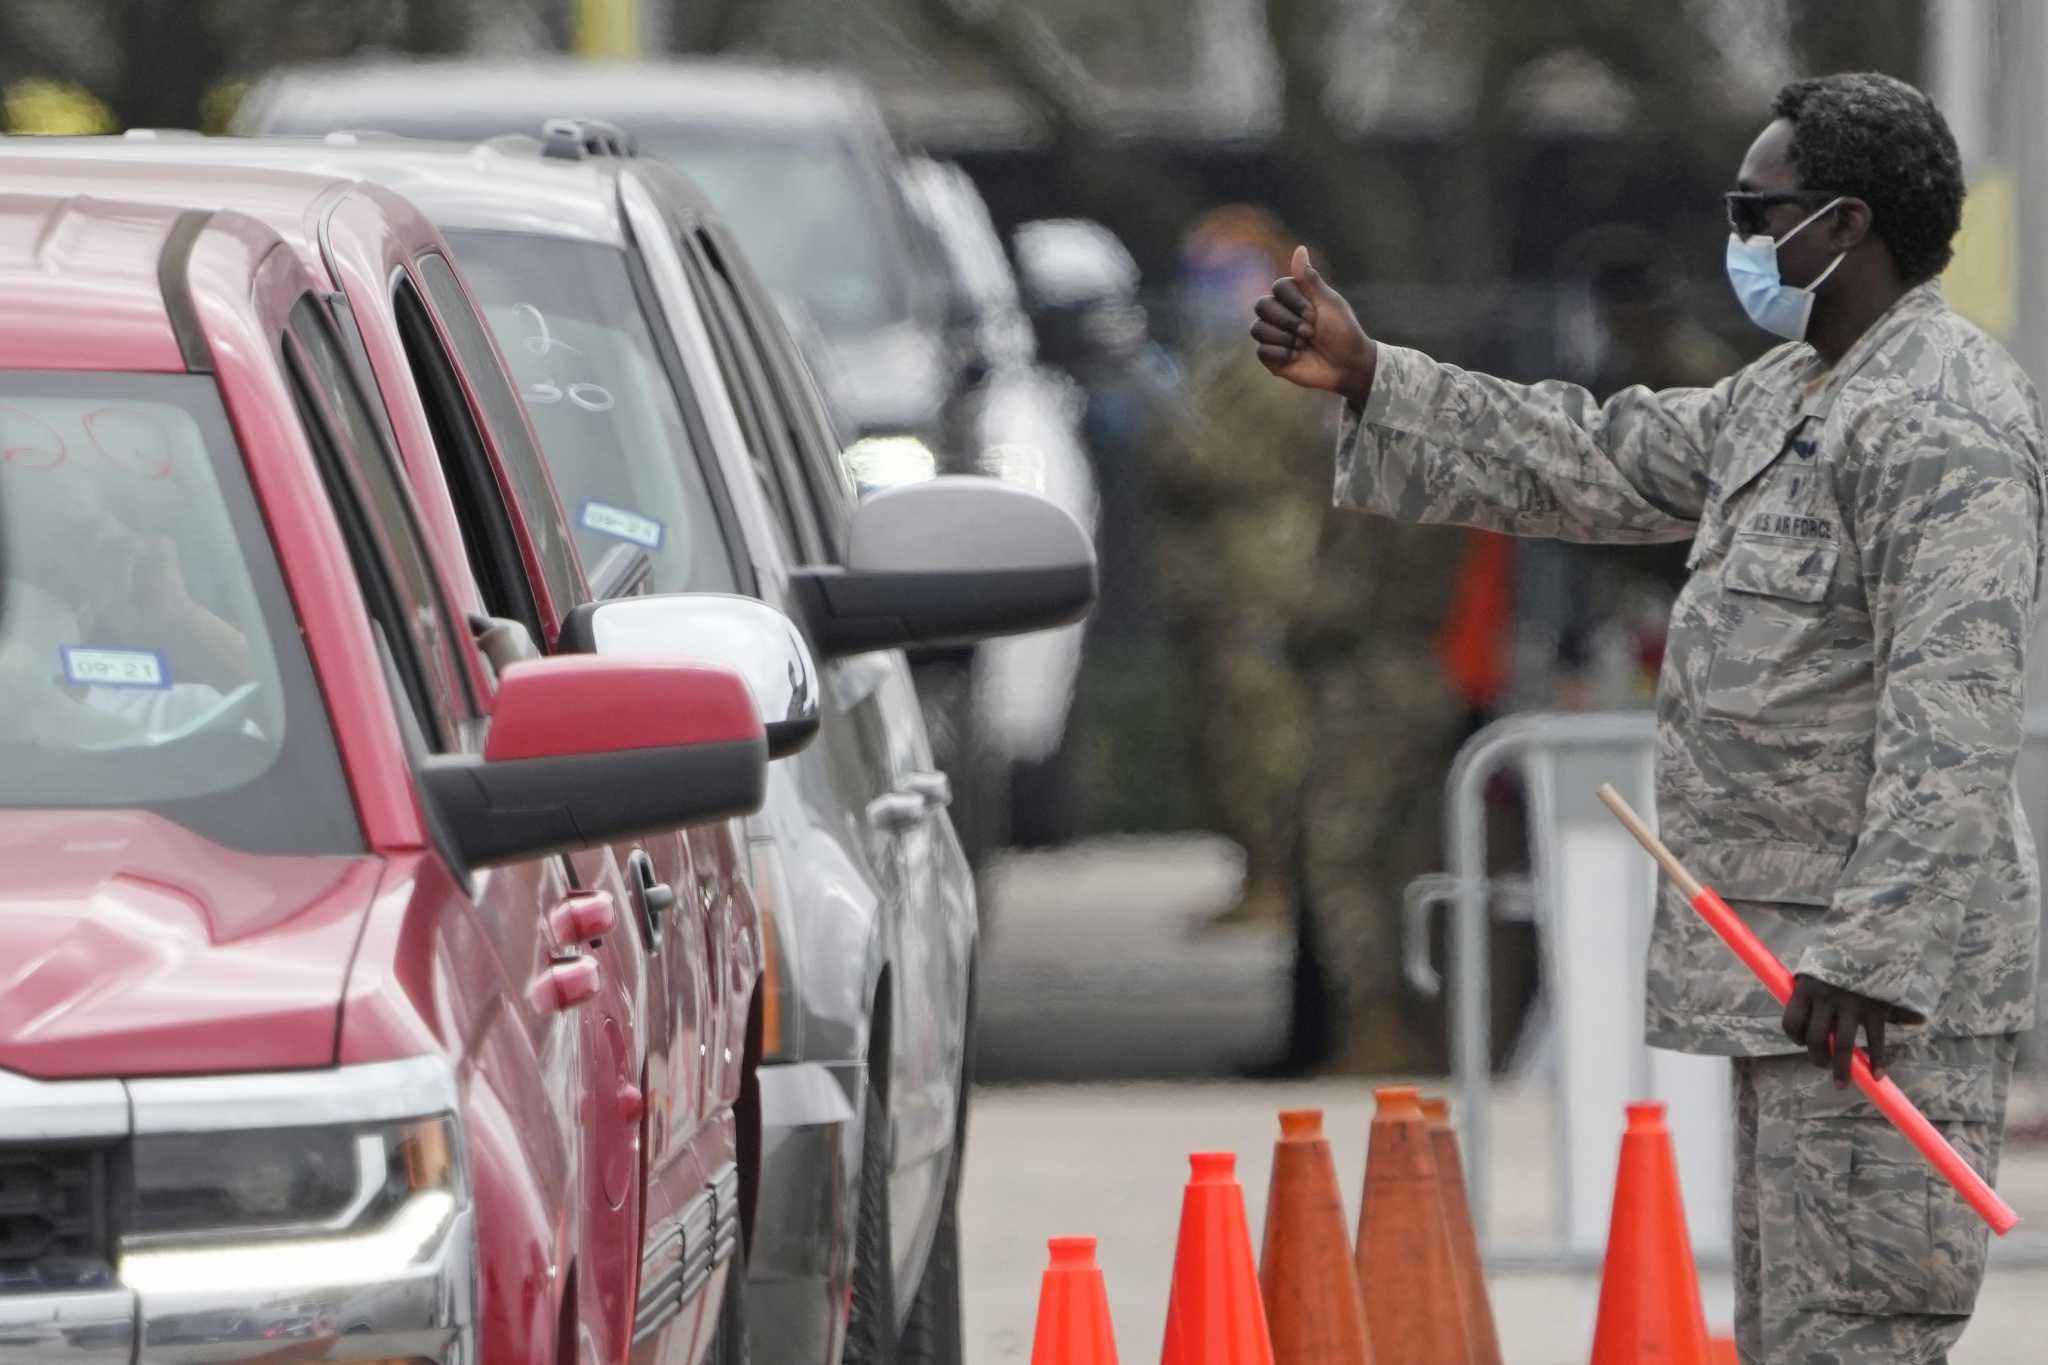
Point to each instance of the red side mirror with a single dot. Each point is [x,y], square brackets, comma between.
[582,705]
[585,749]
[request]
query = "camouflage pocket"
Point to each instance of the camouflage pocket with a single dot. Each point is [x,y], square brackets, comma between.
[1878,1232]
[1774,658]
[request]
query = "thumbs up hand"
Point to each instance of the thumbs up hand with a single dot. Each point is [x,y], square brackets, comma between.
[1308,335]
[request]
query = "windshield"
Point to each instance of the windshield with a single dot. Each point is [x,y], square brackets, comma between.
[611,427]
[813,221]
[149,656]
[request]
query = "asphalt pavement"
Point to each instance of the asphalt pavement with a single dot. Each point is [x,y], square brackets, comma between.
[1103,968]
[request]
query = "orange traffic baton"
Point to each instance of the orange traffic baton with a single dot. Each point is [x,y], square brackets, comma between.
[1890,1100]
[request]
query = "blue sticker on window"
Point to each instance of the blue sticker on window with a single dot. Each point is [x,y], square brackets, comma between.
[620,524]
[87,666]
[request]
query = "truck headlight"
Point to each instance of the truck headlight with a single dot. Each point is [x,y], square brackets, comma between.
[268,1199]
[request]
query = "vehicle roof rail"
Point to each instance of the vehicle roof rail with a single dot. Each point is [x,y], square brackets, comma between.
[572,139]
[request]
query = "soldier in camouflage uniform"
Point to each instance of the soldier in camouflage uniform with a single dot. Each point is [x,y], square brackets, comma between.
[1235,547]
[1322,709]
[1840,705]
[1384,723]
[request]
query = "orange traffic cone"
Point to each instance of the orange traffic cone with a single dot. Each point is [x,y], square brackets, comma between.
[1721,1351]
[1649,1291]
[1073,1309]
[1480,1333]
[1214,1316]
[1405,1267]
[1306,1277]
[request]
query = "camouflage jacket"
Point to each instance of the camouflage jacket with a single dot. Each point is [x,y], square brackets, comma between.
[1840,712]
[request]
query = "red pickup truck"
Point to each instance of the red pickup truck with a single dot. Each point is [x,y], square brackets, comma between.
[290,952]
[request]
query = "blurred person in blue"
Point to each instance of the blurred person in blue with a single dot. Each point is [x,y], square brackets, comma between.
[1082,288]
[1123,747]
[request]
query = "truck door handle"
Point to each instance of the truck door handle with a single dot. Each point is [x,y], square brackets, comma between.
[935,788]
[563,984]
[897,811]
[583,917]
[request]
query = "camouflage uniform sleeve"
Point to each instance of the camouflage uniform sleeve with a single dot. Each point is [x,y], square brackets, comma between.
[1439,444]
[1947,529]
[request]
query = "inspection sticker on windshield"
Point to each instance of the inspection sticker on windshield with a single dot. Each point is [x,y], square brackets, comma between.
[617,521]
[84,667]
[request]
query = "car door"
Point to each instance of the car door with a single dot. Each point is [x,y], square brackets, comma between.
[648,1054]
[531,1055]
[667,1054]
[933,932]
[862,766]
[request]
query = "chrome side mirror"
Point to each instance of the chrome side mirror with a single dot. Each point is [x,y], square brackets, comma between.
[739,633]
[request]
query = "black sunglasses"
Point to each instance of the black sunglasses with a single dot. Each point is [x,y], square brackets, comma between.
[1748,210]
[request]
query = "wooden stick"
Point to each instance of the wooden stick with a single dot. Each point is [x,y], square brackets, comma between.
[1654,846]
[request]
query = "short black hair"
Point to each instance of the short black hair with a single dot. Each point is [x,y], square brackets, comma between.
[1880,140]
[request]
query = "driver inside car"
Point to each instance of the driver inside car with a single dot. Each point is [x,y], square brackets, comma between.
[85,597]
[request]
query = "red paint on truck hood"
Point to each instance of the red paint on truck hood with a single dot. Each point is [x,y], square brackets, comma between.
[130,946]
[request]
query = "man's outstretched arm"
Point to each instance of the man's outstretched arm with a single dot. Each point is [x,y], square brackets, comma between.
[1424,441]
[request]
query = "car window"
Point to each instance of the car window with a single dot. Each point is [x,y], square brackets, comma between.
[818,219]
[489,538]
[531,489]
[150,657]
[820,461]
[616,432]
[444,698]
[768,438]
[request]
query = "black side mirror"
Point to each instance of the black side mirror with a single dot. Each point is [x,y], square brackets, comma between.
[946,562]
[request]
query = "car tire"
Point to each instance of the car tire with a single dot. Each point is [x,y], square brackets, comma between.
[935,1333]
[871,1325]
[730,1346]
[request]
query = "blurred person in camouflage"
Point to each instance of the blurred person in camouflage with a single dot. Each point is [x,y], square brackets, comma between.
[1325,716]
[1840,708]
[1235,540]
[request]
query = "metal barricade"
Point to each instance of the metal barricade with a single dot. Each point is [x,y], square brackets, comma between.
[1591,893]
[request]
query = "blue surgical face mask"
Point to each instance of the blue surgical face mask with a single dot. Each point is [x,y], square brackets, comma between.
[1779,308]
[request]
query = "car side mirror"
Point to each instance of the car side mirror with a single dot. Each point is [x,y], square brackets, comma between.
[948,562]
[717,630]
[586,750]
